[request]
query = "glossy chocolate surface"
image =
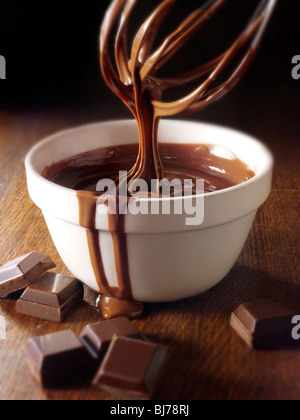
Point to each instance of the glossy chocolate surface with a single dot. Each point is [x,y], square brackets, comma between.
[53,290]
[112,307]
[219,167]
[32,265]
[266,316]
[264,324]
[131,368]
[99,336]
[59,359]
[51,298]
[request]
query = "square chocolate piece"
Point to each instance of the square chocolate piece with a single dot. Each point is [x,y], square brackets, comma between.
[32,265]
[97,337]
[131,368]
[264,324]
[51,298]
[59,359]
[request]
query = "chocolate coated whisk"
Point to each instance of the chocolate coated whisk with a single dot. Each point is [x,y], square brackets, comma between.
[136,72]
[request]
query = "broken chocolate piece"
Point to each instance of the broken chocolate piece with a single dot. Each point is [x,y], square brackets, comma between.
[59,359]
[51,298]
[97,337]
[264,324]
[11,280]
[32,265]
[131,368]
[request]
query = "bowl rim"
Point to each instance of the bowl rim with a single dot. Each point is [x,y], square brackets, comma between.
[29,165]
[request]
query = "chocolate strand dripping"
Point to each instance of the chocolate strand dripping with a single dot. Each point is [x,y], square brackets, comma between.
[138,72]
[87,211]
[134,79]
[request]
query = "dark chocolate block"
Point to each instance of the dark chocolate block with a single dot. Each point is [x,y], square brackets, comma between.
[11,280]
[32,265]
[51,298]
[97,337]
[131,368]
[264,324]
[20,272]
[59,359]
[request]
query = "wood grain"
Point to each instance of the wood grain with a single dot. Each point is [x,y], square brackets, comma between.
[208,359]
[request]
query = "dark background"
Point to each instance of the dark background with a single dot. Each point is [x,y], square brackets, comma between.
[51,48]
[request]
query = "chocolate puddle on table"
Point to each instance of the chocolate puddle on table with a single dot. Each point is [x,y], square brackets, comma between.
[134,80]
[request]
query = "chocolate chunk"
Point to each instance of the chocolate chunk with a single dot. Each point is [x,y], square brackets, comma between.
[51,298]
[32,265]
[11,280]
[97,337]
[131,368]
[59,359]
[20,272]
[264,324]
[111,307]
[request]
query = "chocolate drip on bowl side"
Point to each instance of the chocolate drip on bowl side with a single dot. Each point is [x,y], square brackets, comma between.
[87,219]
[217,166]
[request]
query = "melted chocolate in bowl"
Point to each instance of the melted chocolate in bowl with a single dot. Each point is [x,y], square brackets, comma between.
[134,80]
[219,168]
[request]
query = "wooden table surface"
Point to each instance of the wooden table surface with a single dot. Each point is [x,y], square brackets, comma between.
[208,359]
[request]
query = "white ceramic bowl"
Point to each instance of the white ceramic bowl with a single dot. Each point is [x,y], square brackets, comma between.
[168,260]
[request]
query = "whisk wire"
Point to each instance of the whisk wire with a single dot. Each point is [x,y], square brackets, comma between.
[143,65]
